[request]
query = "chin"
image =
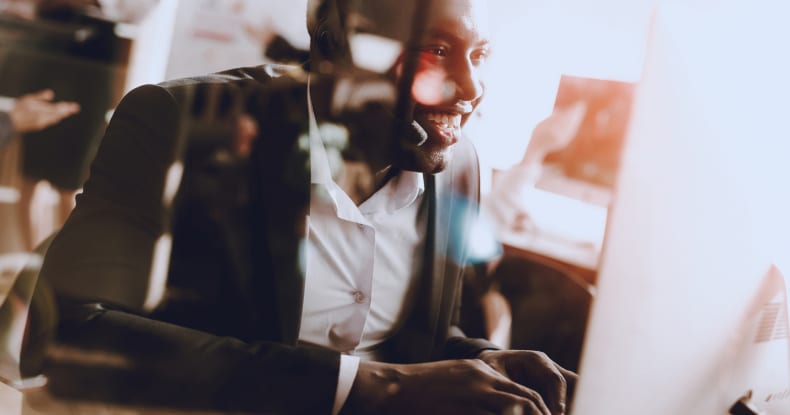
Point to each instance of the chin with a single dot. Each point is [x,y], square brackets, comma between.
[429,158]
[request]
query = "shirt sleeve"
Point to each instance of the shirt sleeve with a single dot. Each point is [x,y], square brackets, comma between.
[346,375]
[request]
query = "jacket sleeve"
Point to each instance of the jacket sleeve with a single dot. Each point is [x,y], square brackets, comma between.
[133,360]
[104,250]
[458,346]
[99,264]
[466,182]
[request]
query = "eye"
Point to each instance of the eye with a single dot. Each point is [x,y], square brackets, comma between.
[439,51]
[479,55]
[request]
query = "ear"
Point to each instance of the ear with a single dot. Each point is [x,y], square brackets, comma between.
[328,41]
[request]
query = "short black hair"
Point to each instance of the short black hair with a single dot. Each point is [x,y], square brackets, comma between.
[317,14]
[324,21]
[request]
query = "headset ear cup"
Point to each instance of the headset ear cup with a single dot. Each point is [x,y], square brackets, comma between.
[327,44]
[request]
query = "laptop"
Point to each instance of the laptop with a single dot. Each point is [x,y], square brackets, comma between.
[691,311]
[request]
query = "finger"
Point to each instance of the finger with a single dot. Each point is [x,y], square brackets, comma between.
[527,408]
[570,383]
[555,392]
[504,403]
[514,410]
[62,110]
[55,114]
[532,409]
[546,377]
[514,388]
[44,95]
[67,108]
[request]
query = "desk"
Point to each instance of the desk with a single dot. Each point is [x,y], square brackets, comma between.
[557,231]
[582,275]
[574,261]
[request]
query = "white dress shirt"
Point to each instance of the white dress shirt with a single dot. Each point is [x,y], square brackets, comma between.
[361,261]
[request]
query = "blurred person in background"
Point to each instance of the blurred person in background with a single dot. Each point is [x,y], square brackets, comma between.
[351,306]
[59,44]
[34,112]
[504,202]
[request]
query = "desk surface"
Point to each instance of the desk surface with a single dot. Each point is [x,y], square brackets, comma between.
[581,255]
[559,228]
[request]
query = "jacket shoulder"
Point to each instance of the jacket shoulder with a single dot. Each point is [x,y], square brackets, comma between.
[237,77]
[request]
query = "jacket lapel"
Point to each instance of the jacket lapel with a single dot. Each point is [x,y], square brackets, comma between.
[280,197]
[440,223]
[424,333]
[455,195]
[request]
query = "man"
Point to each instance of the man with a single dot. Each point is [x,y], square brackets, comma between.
[351,301]
[34,112]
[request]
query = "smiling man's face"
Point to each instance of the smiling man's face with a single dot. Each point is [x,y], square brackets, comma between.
[451,56]
[448,84]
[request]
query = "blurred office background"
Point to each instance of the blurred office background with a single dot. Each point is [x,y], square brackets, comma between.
[560,85]
[547,56]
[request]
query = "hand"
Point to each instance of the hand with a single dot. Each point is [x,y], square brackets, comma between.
[457,387]
[535,370]
[36,111]
[554,133]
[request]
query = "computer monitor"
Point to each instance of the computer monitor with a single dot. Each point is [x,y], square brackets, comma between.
[691,309]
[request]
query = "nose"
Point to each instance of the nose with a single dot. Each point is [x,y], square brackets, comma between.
[467,80]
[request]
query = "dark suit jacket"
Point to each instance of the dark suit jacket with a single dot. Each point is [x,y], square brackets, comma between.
[226,337]
[6,129]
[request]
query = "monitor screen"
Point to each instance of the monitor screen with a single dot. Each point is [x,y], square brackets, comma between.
[690,313]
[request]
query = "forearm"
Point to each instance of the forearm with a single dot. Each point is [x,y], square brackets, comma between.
[461,347]
[450,387]
[161,364]
[457,345]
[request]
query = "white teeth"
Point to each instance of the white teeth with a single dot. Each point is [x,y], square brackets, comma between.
[445,120]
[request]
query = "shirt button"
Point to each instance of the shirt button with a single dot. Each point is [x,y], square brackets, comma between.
[359,297]
[361,226]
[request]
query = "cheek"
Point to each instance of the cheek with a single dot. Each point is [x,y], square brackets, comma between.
[429,87]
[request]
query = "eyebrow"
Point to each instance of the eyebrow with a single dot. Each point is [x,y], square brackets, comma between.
[451,36]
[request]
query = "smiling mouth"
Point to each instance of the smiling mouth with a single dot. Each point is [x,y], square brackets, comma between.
[446,125]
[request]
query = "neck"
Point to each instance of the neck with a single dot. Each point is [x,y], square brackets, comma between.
[360,182]
[368,172]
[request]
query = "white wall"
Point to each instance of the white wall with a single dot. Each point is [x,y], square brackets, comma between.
[151,47]
[536,41]
[212,35]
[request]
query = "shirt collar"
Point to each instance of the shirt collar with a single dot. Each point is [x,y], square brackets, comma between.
[400,192]
[320,170]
